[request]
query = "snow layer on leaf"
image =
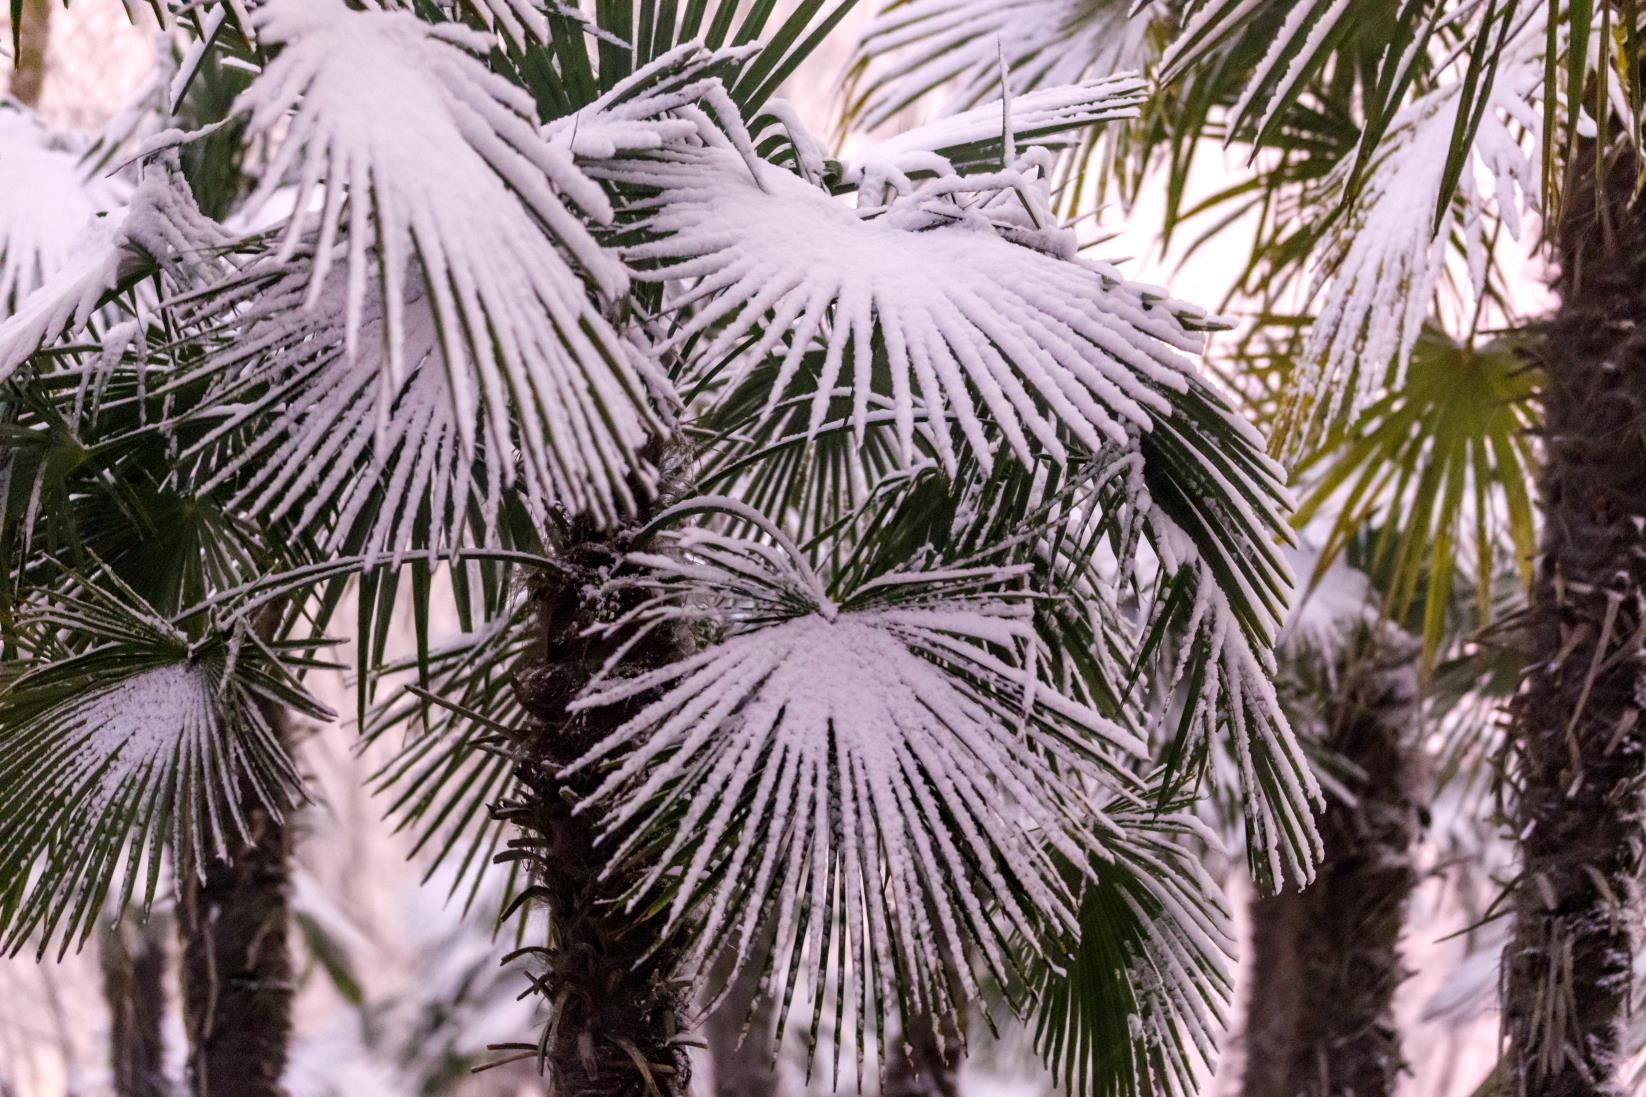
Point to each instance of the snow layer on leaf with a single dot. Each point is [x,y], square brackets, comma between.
[916,46]
[160,229]
[1383,260]
[975,330]
[312,435]
[1045,116]
[424,153]
[47,201]
[883,776]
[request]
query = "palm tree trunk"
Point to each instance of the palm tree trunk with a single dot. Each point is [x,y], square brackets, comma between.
[1326,960]
[28,78]
[134,970]
[237,980]
[1578,739]
[609,982]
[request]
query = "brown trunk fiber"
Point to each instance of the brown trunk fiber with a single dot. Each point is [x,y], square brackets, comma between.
[607,980]
[134,971]
[1326,960]
[237,978]
[1578,741]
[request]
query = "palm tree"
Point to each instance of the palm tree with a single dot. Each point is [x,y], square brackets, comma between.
[1396,148]
[828,536]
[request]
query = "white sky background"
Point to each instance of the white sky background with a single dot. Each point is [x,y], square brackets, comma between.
[352,875]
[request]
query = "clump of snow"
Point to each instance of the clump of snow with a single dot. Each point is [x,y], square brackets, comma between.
[48,199]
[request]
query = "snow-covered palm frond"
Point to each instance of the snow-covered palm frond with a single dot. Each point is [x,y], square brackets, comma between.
[901,787]
[428,155]
[1383,259]
[123,739]
[160,229]
[48,199]
[1016,348]
[1137,1007]
[341,447]
[974,139]
[914,47]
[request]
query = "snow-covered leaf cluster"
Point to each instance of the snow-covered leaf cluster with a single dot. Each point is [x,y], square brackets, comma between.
[884,762]
[145,743]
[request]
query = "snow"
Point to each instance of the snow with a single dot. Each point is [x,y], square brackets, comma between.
[1382,261]
[958,47]
[958,307]
[441,160]
[877,764]
[160,228]
[48,199]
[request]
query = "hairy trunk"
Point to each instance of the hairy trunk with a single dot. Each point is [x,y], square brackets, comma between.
[28,78]
[607,979]
[1326,960]
[134,973]
[1578,741]
[237,978]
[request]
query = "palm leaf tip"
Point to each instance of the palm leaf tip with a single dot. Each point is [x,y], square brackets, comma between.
[902,789]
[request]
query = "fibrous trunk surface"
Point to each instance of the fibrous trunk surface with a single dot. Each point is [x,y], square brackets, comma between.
[609,983]
[237,980]
[1326,959]
[1578,739]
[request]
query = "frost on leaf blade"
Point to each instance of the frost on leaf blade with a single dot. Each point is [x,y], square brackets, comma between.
[913,47]
[901,788]
[1382,261]
[161,229]
[422,154]
[48,199]
[115,754]
[1013,347]
[345,448]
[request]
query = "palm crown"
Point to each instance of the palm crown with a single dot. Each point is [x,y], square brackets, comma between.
[929,490]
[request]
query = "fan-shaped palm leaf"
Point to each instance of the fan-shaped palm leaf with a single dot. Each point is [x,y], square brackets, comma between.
[1381,264]
[122,739]
[877,750]
[1441,469]
[441,159]
[926,289]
